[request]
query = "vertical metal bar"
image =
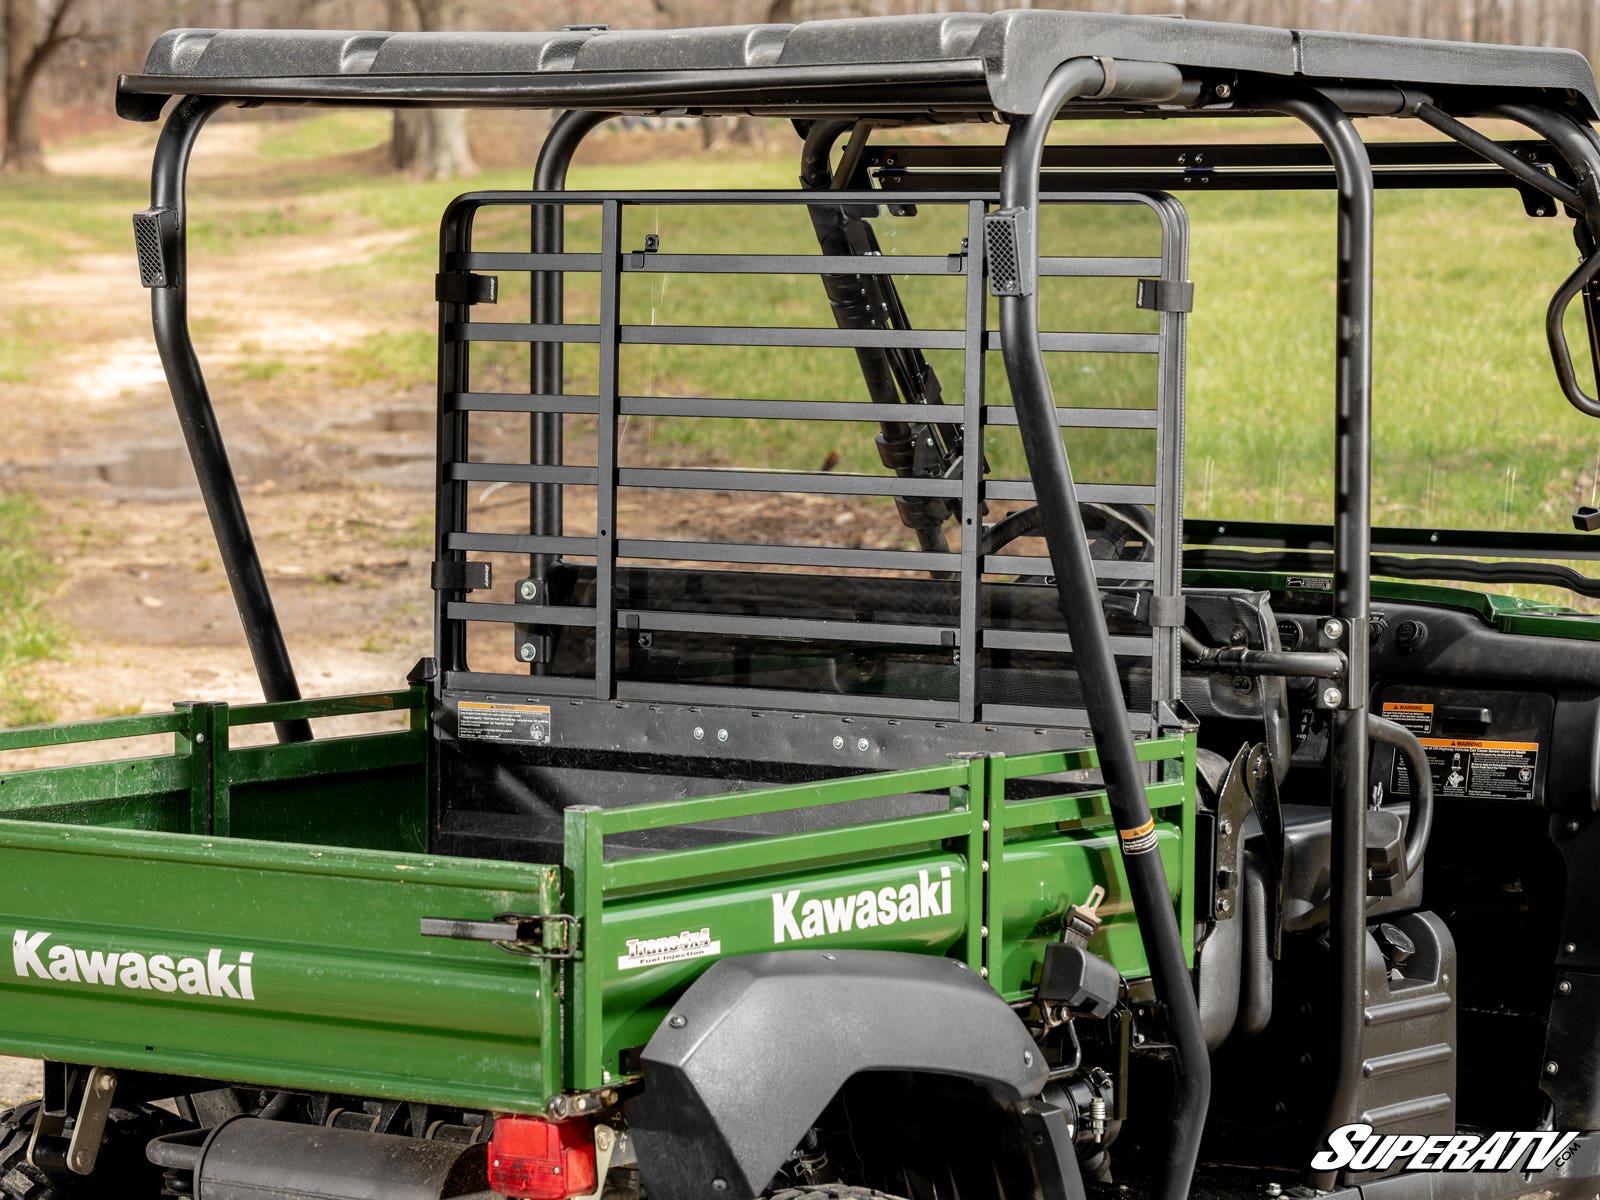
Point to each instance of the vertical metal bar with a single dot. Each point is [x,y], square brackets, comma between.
[548,236]
[992,869]
[450,495]
[198,744]
[1352,584]
[169,311]
[220,739]
[971,574]
[977,801]
[1188,850]
[605,501]
[584,852]
[1169,457]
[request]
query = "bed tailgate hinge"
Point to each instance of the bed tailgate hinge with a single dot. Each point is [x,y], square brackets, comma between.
[532,935]
[1165,295]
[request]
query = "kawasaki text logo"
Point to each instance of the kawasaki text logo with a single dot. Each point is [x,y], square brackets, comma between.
[31,956]
[1354,1148]
[866,909]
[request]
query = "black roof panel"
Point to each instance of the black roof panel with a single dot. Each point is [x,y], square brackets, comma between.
[1006,55]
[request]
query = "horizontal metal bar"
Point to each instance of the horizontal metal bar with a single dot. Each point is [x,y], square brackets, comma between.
[800,556]
[1101,268]
[1085,418]
[788,628]
[788,699]
[1058,643]
[790,410]
[1027,564]
[403,700]
[702,198]
[473,472]
[45,788]
[326,756]
[813,482]
[897,182]
[518,331]
[32,737]
[637,818]
[1089,343]
[1080,806]
[519,543]
[1393,539]
[680,868]
[578,687]
[1084,758]
[573,616]
[1057,718]
[794,264]
[519,402]
[1104,493]
[786,336]
[1172,154]
[496,260]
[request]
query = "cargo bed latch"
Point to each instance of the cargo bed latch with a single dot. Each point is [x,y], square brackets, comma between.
[515,933]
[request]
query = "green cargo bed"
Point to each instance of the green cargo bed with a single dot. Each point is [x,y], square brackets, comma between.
[254,914]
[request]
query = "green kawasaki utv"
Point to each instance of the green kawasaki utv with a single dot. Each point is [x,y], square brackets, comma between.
[958,824]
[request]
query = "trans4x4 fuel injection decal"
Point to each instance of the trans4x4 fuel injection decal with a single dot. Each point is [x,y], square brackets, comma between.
[1474,768]
[34,956]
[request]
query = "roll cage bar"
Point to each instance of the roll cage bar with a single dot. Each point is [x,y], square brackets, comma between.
[1164,68]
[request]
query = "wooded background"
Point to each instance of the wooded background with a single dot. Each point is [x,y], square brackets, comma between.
[62,55]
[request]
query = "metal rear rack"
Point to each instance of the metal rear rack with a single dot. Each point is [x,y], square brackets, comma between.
[965,638]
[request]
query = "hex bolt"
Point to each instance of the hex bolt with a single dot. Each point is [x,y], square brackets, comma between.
[602,1138]
[646,640]
[107,1084]
[1572,827]
[1570,948]
[722,735]
[1027,1058]
[699,733]
[1332,697]
[983,972]
[1333,630]
[199,739]
[527,652]
[528,590]
[719,1184]
[81,1162]
[1564,986]
[677,1021]
[838,743]
[1274,1189]
[1225,827]
[1222,906]
[863,745]
[1223,92]
[1552,1068]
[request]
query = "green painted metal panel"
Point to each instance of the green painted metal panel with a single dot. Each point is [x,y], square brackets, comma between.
[342,992]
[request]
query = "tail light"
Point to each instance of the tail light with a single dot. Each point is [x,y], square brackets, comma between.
[534,1159]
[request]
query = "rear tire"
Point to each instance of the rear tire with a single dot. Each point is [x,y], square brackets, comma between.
[19,1180]
[830,1191]
[121,1172]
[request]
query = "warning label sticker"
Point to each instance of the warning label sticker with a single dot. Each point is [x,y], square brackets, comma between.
[479,721]
[1475,770]
[1416,717]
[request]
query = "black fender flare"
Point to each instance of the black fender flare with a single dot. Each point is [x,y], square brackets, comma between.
[756,1048]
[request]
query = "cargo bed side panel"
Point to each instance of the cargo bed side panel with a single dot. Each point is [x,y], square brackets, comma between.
[273,964]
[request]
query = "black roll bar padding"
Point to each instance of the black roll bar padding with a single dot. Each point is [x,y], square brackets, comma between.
[169,314]
[1419,826]
[1080,605]
[1430,114]
[1352,582]
[567,132]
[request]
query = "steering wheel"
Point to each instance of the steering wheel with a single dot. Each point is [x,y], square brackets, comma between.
[1117,532]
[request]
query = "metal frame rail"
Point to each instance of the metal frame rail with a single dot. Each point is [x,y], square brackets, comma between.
[531,616]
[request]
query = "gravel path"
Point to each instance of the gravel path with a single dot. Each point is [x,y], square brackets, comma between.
[19,1080]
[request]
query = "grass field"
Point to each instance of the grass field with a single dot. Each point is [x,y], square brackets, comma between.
[1471,429]
[27,632]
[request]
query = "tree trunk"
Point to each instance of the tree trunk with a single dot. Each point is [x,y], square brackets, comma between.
[22,34]
[431,142]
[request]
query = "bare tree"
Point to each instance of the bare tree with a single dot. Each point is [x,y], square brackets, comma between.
[34,31]
[429,141]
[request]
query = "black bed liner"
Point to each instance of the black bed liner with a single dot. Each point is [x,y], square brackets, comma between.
[966,62]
